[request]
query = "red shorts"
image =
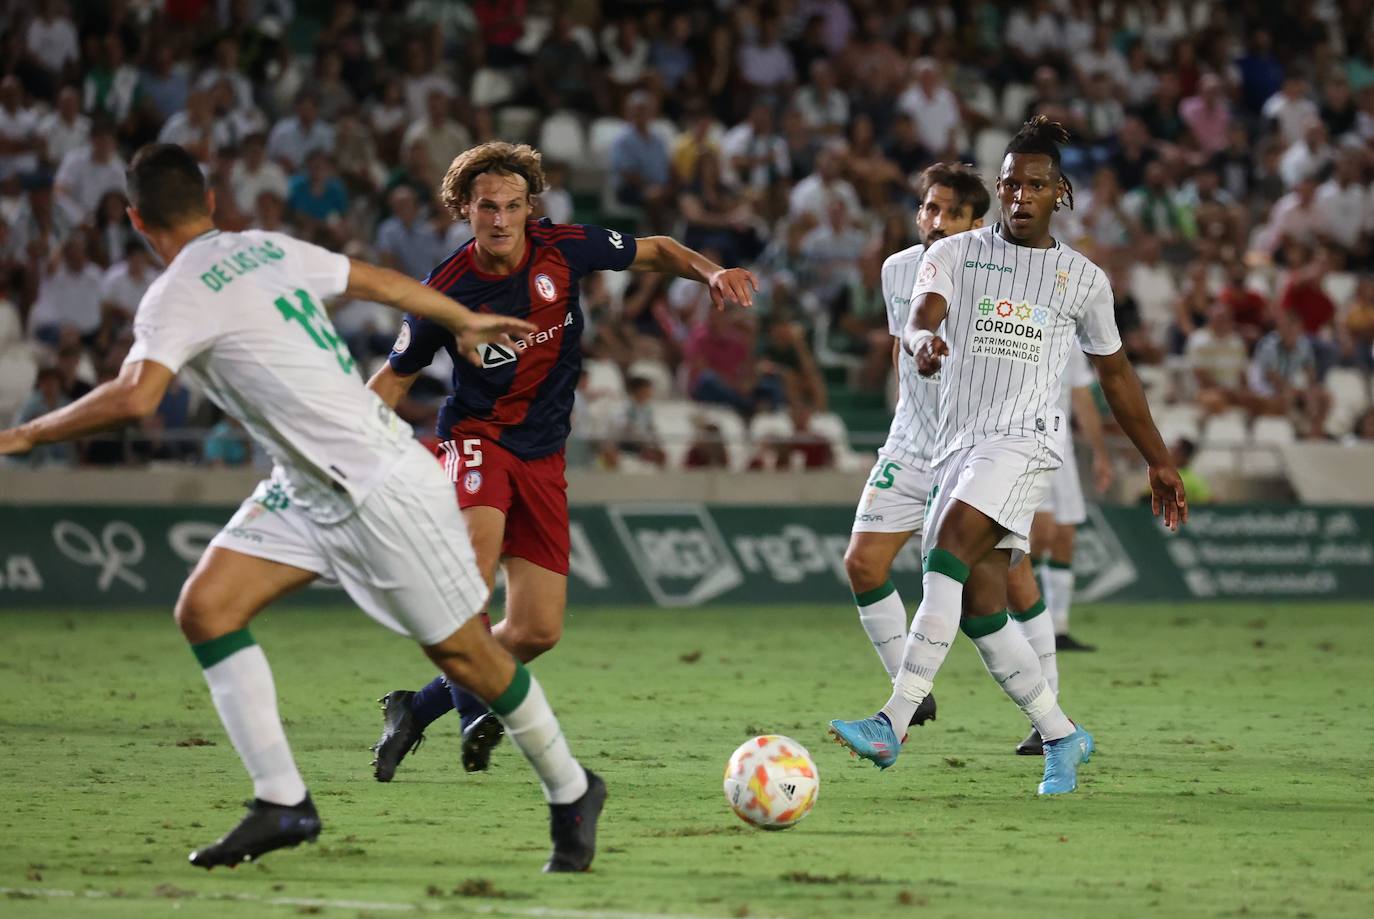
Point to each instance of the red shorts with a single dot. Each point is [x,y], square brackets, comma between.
[533,494]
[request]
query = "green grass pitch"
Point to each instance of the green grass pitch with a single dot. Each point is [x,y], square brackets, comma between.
[1233,775]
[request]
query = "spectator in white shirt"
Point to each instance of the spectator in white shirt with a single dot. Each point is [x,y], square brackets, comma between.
[823,106]
[421,79]
[1101,57]
[65,128]
[754,152]
[51,37]
[125,282]
[1295,217]
[88,172]
[19,138]
[832,251]
[295,138]
[196,128]
[1346,201]
[226,67]
[765,64]
[627,52]
[1308,158]
[253,173]
[810,196]
[1037,32]
[934,107]
[1217,356]
[1292,110]
[444,138]
[1154,288]
[68,296]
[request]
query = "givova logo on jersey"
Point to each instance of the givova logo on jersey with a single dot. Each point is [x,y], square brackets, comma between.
[1006,329]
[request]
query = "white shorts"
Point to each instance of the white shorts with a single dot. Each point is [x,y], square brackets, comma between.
[1007,479]
[894,500]
[404,556]
[1065,499]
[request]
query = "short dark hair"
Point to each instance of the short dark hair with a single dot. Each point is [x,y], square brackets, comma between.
[961,179]
[166,186]
[1044,137]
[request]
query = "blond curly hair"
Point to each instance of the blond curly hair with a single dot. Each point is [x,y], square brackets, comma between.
[497,157]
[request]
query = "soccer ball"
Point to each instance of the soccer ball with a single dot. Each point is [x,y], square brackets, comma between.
[771,782]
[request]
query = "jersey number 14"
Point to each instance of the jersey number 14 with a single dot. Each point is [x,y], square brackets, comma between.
[317,325]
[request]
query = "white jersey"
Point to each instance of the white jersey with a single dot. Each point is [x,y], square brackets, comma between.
[243,313]
[911,439]
[1013,316]
[1077,374]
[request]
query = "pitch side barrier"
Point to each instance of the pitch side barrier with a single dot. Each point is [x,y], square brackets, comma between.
[689,554]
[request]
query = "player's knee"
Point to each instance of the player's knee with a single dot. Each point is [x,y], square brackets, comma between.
[863,571]
[203,612]
[528,640]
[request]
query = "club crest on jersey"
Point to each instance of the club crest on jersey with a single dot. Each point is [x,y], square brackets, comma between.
[402,339]
[1061,281]
[927,273]
[472,481]
[545,286]
[494,355]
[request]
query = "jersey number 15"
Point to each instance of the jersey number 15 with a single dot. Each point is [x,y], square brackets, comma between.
[317,325]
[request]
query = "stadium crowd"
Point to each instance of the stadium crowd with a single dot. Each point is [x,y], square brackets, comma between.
[1223,159]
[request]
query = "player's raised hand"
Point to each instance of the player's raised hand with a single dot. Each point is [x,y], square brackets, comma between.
[931,355]
[732,286]
[490,329]
[1167,496]
[14,441]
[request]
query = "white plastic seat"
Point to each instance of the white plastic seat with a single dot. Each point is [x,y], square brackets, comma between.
[1225,430]
[1015,98]
[602,135]
[491,87]
[673,419]
[604,380]
[515,123]
[988,149]
[1261,461]
[1273,430]
[1175,421]
[562,138]
[833,428]
[1216,461]
[1339,286]
[656,372]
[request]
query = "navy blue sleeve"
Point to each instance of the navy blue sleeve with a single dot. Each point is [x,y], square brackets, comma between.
[596,249]
[416,344]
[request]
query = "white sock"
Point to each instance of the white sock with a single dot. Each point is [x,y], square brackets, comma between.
[1012,663]
[246,698]
[533,728]
[883,617]
[1058,584]
[933,629]
[1039,631]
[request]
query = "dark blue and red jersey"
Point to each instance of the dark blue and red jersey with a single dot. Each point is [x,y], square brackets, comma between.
[522,398]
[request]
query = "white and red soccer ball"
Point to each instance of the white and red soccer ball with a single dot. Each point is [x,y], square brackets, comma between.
[771,782]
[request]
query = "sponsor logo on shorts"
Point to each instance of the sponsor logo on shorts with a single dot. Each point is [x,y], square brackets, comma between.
[472,481]
[870,518]
[544,284]
[243,533]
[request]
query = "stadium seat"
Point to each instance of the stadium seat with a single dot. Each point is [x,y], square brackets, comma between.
[515,124]
[1261,460]
[1340,287]
[562,138]
[1225,430]
[1175,421]
[1349,397]
[1213,462]
[673,419]
[833,428]
[603,133]
[737,447]
[604,380]
[1273,431]
[1015,98]
[656,372]
[988,150]
[1157,381]
[492,87]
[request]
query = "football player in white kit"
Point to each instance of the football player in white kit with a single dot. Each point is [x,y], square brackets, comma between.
[1064,511]
[1012,299]
[1063,506]
[893,504]
[352,495]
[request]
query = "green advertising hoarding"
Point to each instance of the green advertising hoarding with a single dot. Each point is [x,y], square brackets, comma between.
[682,555]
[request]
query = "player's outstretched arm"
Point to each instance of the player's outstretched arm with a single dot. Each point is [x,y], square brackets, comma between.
[1127,400]
[391,386]
[919,338]
[382,285]
[134,394]
[668,256]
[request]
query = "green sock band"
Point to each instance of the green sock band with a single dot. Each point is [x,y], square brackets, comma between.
[1059,566]
[515,693]
[978,626]
[211,652]
[1027,615]
[869,597]
[942,562]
